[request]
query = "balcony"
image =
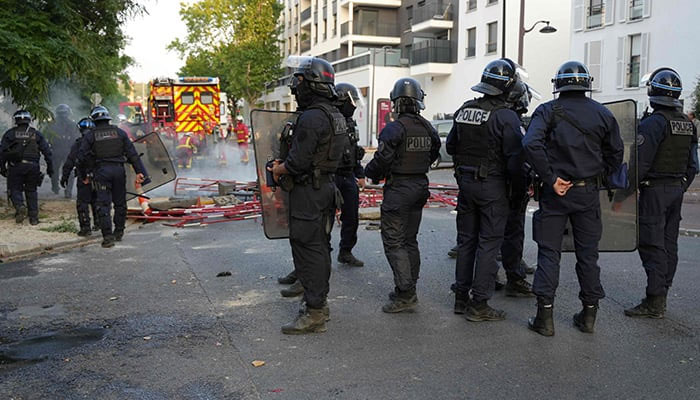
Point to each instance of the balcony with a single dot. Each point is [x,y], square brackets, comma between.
[378,57]
[432,17]
[305,46]
[373,3]
[432,57]
[377,33]
[306,16]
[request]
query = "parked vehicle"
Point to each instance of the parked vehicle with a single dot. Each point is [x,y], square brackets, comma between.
[443,127]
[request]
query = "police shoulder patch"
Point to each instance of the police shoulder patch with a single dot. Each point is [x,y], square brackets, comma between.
[640,140]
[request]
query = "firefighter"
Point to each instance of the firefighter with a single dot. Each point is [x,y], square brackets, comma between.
[87,196]
[242,136]
[21,148]
[186,148]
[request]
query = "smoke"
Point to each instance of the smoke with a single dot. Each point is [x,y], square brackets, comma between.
[61,93]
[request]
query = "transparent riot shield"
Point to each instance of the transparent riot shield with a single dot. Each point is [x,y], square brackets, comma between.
[267,127]
[620,231]
[157,161]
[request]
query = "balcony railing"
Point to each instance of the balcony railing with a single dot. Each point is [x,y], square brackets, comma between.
[431,51]
[378,57]
[595,17]
[491,47]
[306,14]
[344,29]
[305,45]
[378,29]
[471,51]
[636,10]
[438,10]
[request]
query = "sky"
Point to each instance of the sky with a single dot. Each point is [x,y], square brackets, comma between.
[149,35]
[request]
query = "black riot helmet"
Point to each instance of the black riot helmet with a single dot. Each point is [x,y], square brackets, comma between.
[519,97]
[318,77]
[100,113]
[85,124]
[22,117]
[349,98]
[664,87]
[498,77]
[407,96]
[63,111]
[572,76]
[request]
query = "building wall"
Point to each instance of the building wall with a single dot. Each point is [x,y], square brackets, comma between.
[670,32]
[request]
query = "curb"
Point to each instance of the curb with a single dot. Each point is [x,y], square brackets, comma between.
[689,232]
[30,252]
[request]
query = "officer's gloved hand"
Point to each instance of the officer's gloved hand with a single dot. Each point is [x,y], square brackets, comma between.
[3,171]
[146,180]
[64,181]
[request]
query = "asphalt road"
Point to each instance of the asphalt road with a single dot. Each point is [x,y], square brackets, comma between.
[149,319]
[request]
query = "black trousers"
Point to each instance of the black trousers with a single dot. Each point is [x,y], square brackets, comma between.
[111,189]
[659,221]
[23,179]
[482,209]
[581,206]
[513,238]
[310,223]
[402,209]
[349,211]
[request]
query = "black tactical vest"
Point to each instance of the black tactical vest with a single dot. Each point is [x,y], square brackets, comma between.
[26,139]
[475,148]
[413,155]
[330,147]
[673,152]
[108,143]
[349,158]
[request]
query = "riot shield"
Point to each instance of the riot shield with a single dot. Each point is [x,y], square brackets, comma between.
[620,231]
[158,164]
[267,127]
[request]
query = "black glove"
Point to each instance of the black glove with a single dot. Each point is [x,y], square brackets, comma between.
[3,171]
[64,181]
[49,172]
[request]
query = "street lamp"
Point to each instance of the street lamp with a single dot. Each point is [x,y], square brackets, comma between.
[546,29]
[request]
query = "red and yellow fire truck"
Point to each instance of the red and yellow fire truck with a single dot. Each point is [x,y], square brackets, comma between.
[185,104]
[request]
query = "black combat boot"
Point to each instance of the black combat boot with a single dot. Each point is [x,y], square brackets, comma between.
[288,279]
[295,290]
[401,301]
[312,320]
[650,307]
[518,288]
[479,311]
[118,234]
[84,221]
[543,323]
[346,257]
[108,241]
[453,252]
[20,213]
[33,220]
[585,320]
[461,301]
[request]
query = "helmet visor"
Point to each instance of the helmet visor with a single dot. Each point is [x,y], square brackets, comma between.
[297,62]
[356,98]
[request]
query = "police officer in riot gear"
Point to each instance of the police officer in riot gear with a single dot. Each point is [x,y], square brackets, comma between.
[667,164]
[572,142]
[62,133]
[320,135]
[485,144]
[407,147]
[86,195]
[349,176]
[512,247]
[20,150]
[105,149]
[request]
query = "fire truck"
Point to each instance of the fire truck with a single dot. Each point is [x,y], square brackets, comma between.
[185,104]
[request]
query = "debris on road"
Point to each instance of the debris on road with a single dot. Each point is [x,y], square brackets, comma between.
[222,274]
[258,363]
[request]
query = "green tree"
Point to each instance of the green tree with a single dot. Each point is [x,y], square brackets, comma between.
[76,43]
[696,98]
[235,40]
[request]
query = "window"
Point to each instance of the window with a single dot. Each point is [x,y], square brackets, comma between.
[368,22]
[593,58]
[635,51]
[206,98]
[636,9]
[409,14]
[492,42]
[490,2]
[471,5]
[595,14]
[187,98]
[471,42]
[421,3]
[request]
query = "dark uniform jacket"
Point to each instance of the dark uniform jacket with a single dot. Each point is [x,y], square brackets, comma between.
[32,151]
[86,155]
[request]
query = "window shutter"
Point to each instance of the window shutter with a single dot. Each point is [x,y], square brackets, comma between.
[595,63]
[578,15]
[644,57]
[620,76]
[622,7]
[609,10]
[647,9]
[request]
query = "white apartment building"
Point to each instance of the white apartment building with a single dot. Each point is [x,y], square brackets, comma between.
[444,44]
[622,40]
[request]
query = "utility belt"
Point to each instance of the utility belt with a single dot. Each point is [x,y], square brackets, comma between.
[315,178]
[651,182]
[596,182]
[24,162]
[120,163]
[480,173]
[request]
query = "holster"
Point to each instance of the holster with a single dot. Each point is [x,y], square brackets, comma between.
[538,187]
